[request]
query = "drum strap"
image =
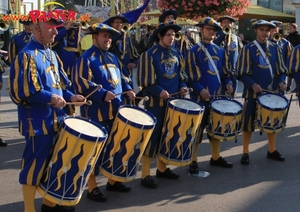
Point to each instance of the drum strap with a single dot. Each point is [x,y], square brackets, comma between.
[265,57]
[211,61]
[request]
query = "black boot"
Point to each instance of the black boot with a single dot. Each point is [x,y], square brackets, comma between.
[2,143]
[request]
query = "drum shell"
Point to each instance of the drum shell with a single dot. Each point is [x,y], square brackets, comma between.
[125,146]
[224,125]
[270,119]
[73,159]
[178,134]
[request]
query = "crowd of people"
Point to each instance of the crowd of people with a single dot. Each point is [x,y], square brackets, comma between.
[43,80]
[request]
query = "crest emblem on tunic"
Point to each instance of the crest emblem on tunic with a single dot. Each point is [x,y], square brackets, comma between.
[169,65]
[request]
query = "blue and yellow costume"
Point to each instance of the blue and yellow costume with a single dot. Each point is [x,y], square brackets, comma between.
[89,72]
[286,49]
[98,67]
[17,43]
[202,75]
[94,68]
[35,75]
[232,45]
[252,68]
[160,68]
[123,48]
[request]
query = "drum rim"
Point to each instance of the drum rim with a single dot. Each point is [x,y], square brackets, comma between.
[82,135]
[174,107]
[229,113]
[273,109]
[134,124]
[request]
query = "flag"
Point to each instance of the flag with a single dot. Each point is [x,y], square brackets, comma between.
[133,16]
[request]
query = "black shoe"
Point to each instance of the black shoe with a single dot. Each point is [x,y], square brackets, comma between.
[275,156]
[118,186]
[148,182]
[193,167]
[245,159]
[96,195]
[288,88]
[166,174]
[220,162]
[57,208]
[2,143]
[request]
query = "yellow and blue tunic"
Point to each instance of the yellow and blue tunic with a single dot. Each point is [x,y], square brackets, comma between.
[159,69]
[201,75]
[252,68]
[286,48]
[232,46]
[35,75]
[17,43]
[33,79]
[125,52]
[96,67]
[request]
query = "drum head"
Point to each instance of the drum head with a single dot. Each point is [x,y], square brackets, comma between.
[84,127]
[137,116]
[226,106]
[185,104]
[273,101]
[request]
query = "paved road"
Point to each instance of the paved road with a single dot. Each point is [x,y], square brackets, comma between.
[264,185]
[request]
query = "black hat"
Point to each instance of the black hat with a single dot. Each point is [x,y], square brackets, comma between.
[165,25]
[161,18]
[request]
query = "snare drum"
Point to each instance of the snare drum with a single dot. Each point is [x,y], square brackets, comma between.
[126,143]
[182,120]
[75,153]
[225,119]
[271,112]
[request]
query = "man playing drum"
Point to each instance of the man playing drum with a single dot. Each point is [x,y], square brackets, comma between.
[207,71]
[38,85]
[97,66]
[160,73]
[260,67]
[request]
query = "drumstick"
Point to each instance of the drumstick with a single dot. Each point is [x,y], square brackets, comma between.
[215,96]
[265,90]
[89,103]
[96,89]
[179,92]
[140,88]
[145,98]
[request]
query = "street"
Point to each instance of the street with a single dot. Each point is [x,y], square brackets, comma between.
[264,185]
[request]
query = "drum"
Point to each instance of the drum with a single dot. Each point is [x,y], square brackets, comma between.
[182,120]
[225,119]
[75,153]
[271,112]
[126,143]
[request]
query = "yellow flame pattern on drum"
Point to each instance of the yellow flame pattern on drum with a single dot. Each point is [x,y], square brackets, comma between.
[180,128]
[128,141]
[224,126]
[270,121]
[71,156]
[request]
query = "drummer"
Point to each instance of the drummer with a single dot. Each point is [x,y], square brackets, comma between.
[38,85]
[160,73]
[260,67]
[97,66]
[207,80]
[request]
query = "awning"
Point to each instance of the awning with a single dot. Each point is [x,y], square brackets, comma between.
[258,12]
[253,12]
[155,13]
[180,21]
